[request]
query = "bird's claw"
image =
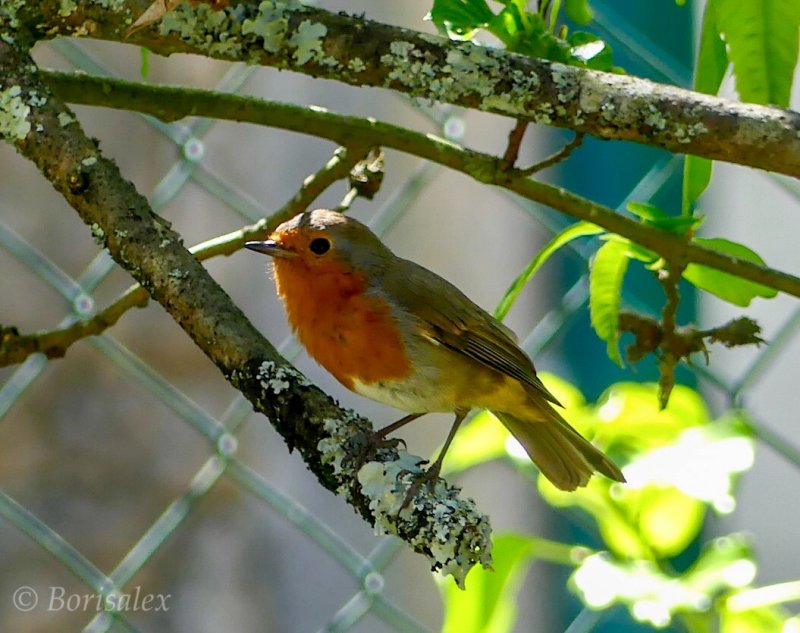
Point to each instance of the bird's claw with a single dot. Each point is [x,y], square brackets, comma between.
[427,478]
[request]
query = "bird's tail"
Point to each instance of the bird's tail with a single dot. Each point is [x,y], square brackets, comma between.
[562,455]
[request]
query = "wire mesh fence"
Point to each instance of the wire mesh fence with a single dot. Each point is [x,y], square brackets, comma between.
[191,172]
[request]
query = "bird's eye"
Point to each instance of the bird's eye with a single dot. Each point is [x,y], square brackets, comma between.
[319,246]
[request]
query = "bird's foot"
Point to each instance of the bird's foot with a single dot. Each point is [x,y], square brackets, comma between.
[427,478]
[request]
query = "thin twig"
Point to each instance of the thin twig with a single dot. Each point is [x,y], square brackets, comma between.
[560,155]
[172,103]
[512,149]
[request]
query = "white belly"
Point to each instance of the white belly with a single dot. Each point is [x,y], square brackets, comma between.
[411,398]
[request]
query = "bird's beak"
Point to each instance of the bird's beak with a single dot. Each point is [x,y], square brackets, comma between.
[271,248]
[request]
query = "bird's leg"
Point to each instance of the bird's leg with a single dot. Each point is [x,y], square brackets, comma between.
[391,428]
[378,440]
[432,472]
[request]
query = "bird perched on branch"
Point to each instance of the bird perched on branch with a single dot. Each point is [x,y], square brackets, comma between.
[396,332]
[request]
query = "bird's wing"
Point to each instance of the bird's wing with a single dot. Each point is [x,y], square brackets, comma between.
[453,320]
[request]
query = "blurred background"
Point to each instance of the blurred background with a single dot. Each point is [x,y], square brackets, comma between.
[102,448]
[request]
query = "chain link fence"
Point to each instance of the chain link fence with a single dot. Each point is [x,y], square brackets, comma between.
[123,552]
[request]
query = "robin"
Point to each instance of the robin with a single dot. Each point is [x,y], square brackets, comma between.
[396,332]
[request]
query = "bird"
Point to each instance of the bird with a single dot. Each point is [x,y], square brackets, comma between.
[398,333]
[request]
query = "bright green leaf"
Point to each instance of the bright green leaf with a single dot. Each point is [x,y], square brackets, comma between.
[575,231]
[144,68]
[628,416]
[488,605]
[461,15]
[578,11]
[696,178]
[712,55]
[712,62]
[589,50]
[703,463]
[655,596]
[605,287]
[729,287]
[762,39]
[669,520]
[632,249]
[654,216]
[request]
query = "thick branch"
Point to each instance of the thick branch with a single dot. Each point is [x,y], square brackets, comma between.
[288,35]
[172,103]
[448,530]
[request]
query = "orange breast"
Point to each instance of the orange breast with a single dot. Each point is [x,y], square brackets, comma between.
[351,335]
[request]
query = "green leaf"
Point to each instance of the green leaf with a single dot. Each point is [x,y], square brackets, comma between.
[587,49]
[696,178]
[654,596]
[144,68]
[712,55]
[578,11]
[605,288]
[729,287]
[654,216]
[575,231]
[762,38]
[703,463]
[489,603]
[712,62]
[460,15]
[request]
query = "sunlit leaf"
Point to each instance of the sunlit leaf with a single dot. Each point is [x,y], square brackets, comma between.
[762,40]
[712,62]
[489,603]
[578,11]
[591,51]
[649,594]
[628,416]
[652,215]
[703,463]
[605,287]
[575,231]
[696,178]
[729,287]
[653,596]
[461,14]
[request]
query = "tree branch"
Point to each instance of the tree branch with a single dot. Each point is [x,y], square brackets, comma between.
[286,34]
[449,531]
[172,103]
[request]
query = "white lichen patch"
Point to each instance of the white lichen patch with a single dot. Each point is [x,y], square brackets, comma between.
[356,65]
[35,99]
[474,69]
[177,273]
[270,24]
[278,378]
[14,124]
[451,531]
[113,5]
[308,41]
[98,234]
[655,118]
[566,81]
[685,133]
[65,119]
[88,162]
